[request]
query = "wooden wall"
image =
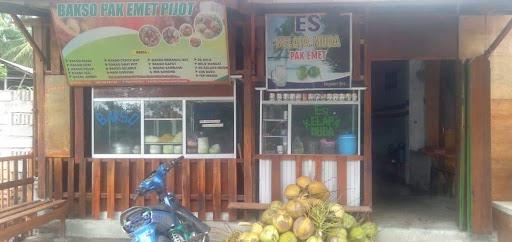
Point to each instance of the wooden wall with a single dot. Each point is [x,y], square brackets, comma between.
[417,36]
[476,33]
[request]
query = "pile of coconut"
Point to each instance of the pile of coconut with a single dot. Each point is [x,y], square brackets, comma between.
[307,216]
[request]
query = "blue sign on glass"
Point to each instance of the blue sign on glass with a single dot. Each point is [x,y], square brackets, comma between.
[115,117]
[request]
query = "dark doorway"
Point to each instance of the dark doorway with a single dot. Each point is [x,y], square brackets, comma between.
[414,143]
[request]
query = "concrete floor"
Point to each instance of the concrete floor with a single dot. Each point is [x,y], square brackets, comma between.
[402,216]
[396,206]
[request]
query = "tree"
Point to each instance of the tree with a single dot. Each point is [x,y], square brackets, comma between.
[13,45]
[3,72]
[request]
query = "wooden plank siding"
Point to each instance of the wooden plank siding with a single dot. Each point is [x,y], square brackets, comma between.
[202,185]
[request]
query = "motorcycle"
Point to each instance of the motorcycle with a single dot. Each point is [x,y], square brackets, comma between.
[166,222]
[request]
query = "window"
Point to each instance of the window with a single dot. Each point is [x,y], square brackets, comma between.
[163,127]
[117,127]
[210,127]
[315,128]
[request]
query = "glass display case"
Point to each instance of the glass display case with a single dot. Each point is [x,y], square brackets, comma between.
[163,126]
[198,127]
[274,129]
[210,127]
[322,122]
[117,127]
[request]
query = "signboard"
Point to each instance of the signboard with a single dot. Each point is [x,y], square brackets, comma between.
[134,42]
[308,51]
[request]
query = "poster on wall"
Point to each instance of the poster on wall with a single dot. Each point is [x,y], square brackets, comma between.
[308,51]
[135,42]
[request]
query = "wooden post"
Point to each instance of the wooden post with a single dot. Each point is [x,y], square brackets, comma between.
[201,189]
[111,188]
[125,187]
[432,103]
[276,179]
[216,189]
[71,183]
[249,112]
[37,33]
[480,144]
[96,188]
[140,176]
[57,178]
[367,125]
[78,93]
[185,183]
[232,185]
[342,180]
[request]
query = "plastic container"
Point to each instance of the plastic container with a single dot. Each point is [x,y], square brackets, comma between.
[327,146]
[347,144]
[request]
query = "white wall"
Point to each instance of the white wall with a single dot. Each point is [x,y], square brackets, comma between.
[16,122]
[416,107]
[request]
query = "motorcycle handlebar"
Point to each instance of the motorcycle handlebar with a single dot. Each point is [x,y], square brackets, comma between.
[172,163]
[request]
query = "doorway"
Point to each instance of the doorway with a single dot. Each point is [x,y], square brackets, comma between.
[414,143]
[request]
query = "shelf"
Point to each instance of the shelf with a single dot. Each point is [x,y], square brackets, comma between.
[163,119]
[310,102]
[162,143]
[275,120]
[275,136]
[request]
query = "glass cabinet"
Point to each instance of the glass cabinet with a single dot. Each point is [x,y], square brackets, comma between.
[117,127]
[164,127]
[323,122]
[274,129]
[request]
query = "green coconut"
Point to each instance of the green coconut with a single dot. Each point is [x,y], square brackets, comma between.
[356,234]
[318,190]
[303,228]
[302,73]
[287,237]
[267,215]
[248,237]
[370,229]
[276,205]
[269,234]
[303,181]
[292,191]
[348,221]
[295,208]
[337,232]
[283,222]
[337,235]
[257,228]
[337,239]
[337,210]
[314,239]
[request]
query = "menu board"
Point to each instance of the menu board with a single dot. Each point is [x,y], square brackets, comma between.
[135,42]
[308,51]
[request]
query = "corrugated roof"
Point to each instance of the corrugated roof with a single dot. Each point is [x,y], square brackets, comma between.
[22,68]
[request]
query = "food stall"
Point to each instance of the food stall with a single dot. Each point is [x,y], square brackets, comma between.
[310,109]
[141,106]
[150,81]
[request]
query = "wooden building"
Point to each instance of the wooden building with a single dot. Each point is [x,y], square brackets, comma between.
[471,35]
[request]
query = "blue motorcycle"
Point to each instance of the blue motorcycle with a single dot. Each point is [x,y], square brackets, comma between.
[166,222]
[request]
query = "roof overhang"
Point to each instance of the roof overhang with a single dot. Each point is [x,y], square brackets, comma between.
[21,68]
[26,7]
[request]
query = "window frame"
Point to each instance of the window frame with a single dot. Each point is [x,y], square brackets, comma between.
[184,101]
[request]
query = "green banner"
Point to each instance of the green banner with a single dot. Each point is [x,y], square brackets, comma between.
[120,42]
